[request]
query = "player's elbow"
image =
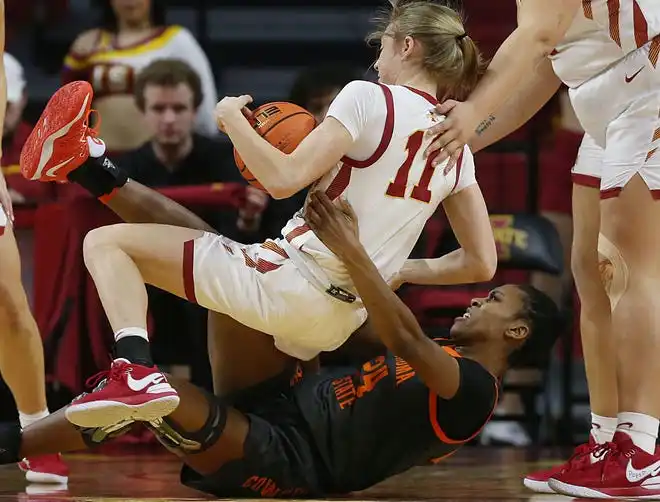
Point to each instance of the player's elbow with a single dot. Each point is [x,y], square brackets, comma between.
[483,264]
[540,41]
[281,190]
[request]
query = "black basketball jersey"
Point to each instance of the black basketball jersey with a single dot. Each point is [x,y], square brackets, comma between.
[382,420]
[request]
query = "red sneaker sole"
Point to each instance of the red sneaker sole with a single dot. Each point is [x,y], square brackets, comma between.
[107,413]
[66,107]
[537,486]
[45,478]
[631,493]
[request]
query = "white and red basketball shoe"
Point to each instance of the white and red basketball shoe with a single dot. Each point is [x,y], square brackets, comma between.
[126,392]
[58,142]
[46,469]
[626,471]
[538,481]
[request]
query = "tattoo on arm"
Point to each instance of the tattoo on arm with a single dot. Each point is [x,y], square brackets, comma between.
[481,128]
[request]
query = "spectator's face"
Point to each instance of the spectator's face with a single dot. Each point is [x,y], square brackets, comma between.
[132,11]
[169,112]
[318,105]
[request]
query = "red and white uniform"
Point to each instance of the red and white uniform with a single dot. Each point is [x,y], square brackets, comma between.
[279,287]
[609,60]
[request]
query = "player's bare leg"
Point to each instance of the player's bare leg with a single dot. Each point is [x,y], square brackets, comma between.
[598,343]
[241,357]
[630,223]
[122,259]
[22,359]
[630,243]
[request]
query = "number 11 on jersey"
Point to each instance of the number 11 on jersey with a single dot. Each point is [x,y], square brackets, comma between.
[421,192]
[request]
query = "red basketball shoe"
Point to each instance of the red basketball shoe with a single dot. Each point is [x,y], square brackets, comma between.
[47,469]
[626,471]
[538,481]
[58,142]
[126,392]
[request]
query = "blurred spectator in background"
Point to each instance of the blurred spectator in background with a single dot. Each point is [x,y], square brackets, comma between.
[315,87]
[14,135]
[110,57]
[168,93]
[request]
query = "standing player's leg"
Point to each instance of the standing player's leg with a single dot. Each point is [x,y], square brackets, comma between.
[22,358]
[598,343]
[630,246]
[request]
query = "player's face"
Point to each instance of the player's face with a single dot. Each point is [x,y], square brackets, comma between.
[131,11]
[389,60]
[169,113]
[490,317]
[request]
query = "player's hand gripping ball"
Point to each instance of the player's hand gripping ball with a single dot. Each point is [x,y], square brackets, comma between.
[283,125]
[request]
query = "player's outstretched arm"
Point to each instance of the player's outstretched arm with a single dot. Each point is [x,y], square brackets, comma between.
[131,201]
[542,24]
[389,317]
[474,261]
[537,89]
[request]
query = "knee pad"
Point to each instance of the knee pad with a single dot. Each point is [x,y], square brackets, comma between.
[181,442]
[613,270]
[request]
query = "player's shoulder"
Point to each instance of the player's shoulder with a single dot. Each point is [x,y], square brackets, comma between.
[87,42]
[178,32]
[361,88]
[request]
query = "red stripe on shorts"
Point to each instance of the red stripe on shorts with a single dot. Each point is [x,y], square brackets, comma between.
[188,271]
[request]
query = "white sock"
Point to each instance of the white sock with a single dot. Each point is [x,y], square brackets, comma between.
[124,332]
[27,420]
[96,147]
[642,429]
[602,428]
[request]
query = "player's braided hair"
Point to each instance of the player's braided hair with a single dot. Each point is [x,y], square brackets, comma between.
[542,315]
[450,55]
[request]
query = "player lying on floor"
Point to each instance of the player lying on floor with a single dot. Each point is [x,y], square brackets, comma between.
[343,429]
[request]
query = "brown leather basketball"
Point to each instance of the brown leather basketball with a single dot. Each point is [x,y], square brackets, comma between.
[283,125]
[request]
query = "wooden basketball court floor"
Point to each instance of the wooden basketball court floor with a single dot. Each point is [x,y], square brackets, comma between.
[474,474]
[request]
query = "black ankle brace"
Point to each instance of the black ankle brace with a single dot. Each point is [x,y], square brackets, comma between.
[10,443]
[95,436]
[99,176]
[180,442]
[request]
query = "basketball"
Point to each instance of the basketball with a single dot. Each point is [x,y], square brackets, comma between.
[283,125]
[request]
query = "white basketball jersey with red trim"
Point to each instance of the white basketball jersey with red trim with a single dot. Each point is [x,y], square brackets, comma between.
[392,188]
[602,33]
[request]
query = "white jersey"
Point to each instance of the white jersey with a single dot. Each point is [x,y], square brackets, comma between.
[391,186]
[604,32]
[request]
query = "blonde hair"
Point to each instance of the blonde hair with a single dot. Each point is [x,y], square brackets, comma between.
[449,54]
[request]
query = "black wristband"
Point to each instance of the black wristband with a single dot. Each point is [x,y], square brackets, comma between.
[99,176]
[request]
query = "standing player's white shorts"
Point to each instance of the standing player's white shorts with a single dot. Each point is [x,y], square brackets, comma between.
[620,113]
[4,221]
[261,287]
